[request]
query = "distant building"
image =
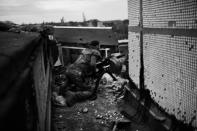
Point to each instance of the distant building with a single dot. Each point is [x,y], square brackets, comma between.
[95,23]
[100,24]
[123,46]
[89,24]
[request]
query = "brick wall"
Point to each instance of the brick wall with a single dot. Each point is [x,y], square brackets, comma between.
[170,60]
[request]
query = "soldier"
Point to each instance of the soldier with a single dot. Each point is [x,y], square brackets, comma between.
[78,87]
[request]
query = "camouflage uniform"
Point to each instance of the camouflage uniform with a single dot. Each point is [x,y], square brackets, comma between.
[77,74]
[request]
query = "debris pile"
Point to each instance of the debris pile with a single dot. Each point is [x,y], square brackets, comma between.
[93,115]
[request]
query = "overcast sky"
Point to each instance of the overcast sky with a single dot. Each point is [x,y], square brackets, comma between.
[36,11]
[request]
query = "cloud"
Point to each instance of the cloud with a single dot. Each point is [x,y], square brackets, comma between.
[52,10]
[24,9]
[70,5]
[13,3]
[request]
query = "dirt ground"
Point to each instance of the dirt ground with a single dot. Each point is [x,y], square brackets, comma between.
[100,115]
[97,115]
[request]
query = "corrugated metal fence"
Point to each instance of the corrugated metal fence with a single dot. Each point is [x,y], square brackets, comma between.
[42,73]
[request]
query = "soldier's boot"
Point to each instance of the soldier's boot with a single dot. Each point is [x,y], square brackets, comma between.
[73,97]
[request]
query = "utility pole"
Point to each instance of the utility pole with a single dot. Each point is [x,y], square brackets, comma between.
[62,20]
[84,18]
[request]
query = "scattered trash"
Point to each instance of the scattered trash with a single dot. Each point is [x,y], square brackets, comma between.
[92,103]
[85,110]
[106,79]
[59,100]
[99,116]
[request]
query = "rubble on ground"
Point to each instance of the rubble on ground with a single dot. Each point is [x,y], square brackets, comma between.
[93,115]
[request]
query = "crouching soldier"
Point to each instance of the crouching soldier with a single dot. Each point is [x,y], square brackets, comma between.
[79,76]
